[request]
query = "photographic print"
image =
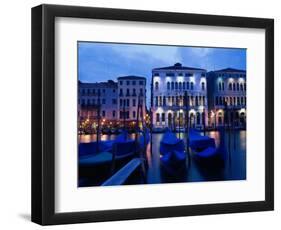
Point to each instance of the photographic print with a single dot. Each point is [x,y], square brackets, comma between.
[155,104]
[153,114]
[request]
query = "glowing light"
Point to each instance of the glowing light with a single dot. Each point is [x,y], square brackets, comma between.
[192,79]
[241,80]
[180,78]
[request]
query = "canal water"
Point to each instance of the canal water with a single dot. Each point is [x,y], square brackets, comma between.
[233,167]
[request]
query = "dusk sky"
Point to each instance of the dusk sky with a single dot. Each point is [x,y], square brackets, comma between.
[104,61]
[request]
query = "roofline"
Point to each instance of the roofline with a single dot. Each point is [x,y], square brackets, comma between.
[131,77]
[228,71]
[99,83]
[179,69]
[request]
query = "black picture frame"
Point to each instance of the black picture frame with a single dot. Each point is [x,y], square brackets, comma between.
[43,114]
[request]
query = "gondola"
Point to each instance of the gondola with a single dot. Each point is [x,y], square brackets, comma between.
[173,155]
[122,147]
[204,148]
[92,148]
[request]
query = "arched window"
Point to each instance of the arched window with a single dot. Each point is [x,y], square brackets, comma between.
[234,100]
[222,85]
[220,118]
[169,100]
[198,118]
[196,100]
[203,118]
[180,85]
[187,85]
[191,85]
[173,86]
[234,86]
[168,85]
[238,100]
[230,86]
[163,117]
[237,86]
[157,117]
[226,100]
[230,100]
[156,85]
[203,85]
[176,85]
[183,85]
[245,86]
[164,101]
[180,100]
[242,101]
[170,120]
[241,87]
[192,120]
[219,86]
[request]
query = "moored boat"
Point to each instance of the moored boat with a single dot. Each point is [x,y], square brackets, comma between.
[170,143]
[122,147]
[204,148]
[92,148]
[173,155]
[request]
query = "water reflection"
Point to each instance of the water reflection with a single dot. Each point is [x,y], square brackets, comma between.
[234,167]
